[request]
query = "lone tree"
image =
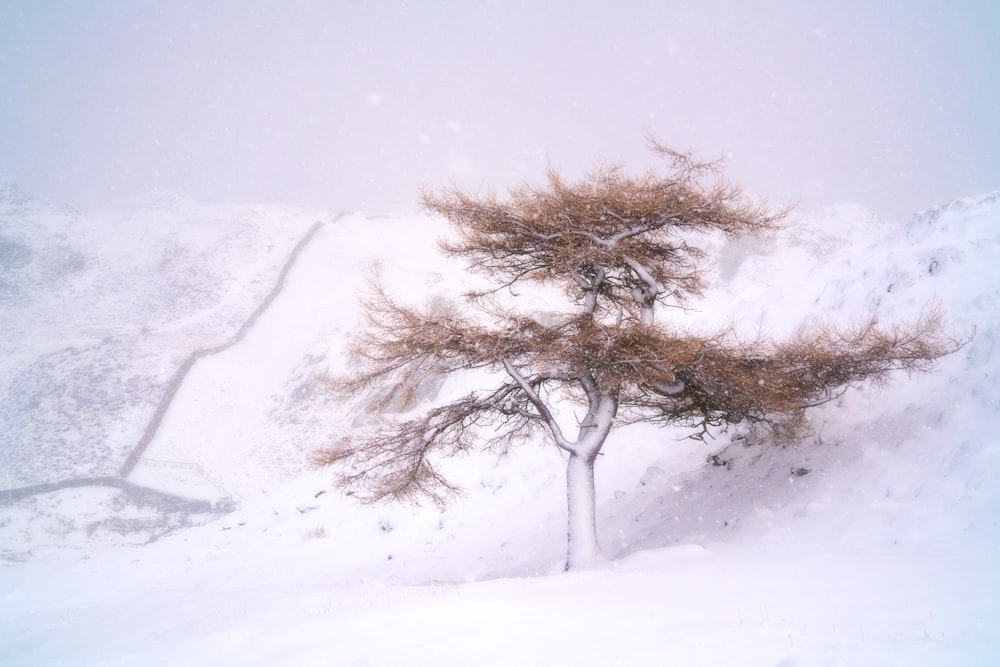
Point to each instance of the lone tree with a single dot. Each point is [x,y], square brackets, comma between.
[620,247]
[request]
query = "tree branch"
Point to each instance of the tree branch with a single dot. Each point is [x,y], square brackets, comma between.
[543,410]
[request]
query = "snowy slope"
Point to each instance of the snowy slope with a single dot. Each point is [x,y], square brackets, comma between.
[883,552]
[98,311]
[100,315]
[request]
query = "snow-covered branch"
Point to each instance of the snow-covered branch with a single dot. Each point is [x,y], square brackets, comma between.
[539,403]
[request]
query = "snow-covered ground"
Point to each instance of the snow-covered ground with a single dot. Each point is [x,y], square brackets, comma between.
[874,542]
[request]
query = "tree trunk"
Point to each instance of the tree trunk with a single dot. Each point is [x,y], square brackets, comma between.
[582,547]
[647,316]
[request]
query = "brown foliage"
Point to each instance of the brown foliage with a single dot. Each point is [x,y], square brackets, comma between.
[629,230]
[773,383]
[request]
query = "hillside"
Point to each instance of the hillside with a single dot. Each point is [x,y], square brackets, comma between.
[201,332]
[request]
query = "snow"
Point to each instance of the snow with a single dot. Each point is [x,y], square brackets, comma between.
[873,542]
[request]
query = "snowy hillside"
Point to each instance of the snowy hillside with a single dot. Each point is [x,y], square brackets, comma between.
[169,353]
[99,312]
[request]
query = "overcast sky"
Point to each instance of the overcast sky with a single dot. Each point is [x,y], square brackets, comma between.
[352,105]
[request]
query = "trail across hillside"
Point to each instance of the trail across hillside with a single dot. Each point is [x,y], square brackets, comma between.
[146,495]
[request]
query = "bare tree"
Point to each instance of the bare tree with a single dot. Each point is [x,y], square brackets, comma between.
[620,247]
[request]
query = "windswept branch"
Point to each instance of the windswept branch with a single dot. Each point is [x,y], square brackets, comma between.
[765,382]
[399,461]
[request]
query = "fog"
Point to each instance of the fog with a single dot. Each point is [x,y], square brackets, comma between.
[355,105]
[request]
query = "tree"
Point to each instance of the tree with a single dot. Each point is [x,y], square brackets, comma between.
[621,248]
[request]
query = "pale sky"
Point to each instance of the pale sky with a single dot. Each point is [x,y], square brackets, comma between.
[894,105]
